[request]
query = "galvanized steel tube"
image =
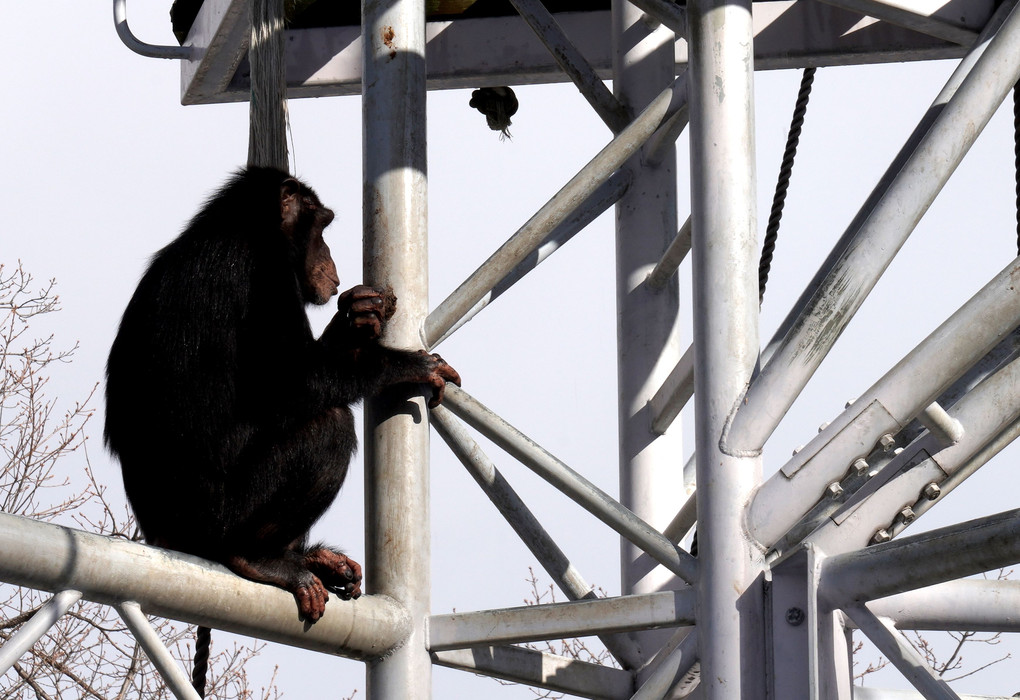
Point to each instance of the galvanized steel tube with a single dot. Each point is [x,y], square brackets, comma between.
[529,236]
[573,63]
[899,201]
[724,254]
[182,587]
[971,605]
[894,646]
[167,666]
[923,560]
[560,620]
[579,489]
[889,405]
[604,197]
[32,630]
[672,669]
[120,23]
[525,524]
[647,320]
[395,253]
[540,669]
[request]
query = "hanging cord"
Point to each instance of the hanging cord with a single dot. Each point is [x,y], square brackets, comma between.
[1016,157]
[203,637]
[783,184]
[267,135]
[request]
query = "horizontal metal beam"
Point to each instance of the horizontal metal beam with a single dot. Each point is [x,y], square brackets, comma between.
[504,51]
[971,605]
[107,570]
[541,670]
[558,620]
[915,562]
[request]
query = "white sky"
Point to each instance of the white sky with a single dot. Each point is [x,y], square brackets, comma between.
[105,167]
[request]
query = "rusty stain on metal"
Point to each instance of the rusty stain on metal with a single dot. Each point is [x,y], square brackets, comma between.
[387,36]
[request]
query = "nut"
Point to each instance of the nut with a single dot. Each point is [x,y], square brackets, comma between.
[881,536]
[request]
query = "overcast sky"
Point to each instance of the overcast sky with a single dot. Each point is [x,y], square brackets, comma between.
[105,167]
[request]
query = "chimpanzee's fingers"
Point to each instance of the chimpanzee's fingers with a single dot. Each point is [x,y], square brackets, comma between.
[444,370]
[365,305]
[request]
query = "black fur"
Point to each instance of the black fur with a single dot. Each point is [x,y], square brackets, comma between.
[230,419]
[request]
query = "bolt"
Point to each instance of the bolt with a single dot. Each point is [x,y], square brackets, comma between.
[932,491]
[823,426]
[797,449]
[881,536]
[795,616]
[850,402]
[887,442]
[834,490]
[860,465]
[907,515]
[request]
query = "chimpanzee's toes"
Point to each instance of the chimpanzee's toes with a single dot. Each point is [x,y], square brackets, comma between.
[339,573]
[348,591]
[311,600]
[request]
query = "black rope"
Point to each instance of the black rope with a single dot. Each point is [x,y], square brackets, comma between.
[783,184]
[203,636]
[1016,157]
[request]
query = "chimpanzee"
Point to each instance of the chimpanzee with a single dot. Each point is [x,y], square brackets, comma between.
[232,422]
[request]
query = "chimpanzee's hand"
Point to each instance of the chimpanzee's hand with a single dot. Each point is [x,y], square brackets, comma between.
[366,310]
[437,374]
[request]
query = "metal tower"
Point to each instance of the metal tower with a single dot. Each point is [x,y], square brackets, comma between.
[786,566]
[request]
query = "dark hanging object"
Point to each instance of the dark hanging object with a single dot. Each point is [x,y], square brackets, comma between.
[785,173]
[498,104]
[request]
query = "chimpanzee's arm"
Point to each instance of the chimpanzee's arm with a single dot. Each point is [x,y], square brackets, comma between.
[355,365]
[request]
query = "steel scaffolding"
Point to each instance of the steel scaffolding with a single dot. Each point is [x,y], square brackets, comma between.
[788,566]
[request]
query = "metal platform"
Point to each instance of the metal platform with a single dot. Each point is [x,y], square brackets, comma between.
[477,52]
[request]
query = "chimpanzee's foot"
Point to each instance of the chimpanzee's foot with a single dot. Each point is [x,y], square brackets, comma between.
[337,572]
[290,573]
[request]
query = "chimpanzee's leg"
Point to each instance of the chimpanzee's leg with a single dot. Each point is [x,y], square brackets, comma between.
[283,483]
[308,575]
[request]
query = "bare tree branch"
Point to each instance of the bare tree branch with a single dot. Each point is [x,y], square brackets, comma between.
[88,652]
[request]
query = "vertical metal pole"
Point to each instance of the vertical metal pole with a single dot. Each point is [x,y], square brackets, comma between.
[648,346]
[396,430]
[725,342]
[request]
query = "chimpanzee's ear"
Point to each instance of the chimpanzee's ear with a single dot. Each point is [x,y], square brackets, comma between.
[290,202]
